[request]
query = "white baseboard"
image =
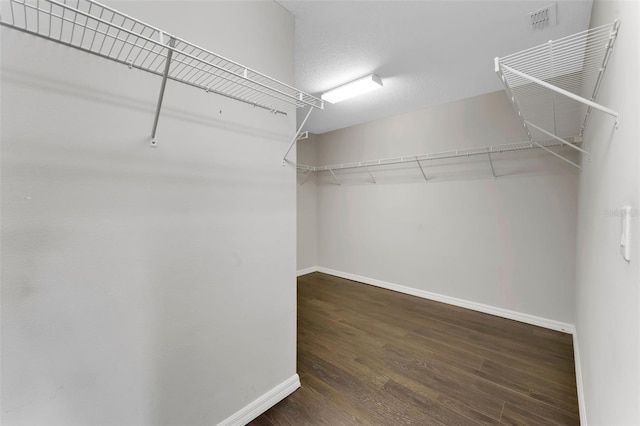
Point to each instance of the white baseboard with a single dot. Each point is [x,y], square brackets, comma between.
[580,389]
[487,309]
[306,271]
[262,404]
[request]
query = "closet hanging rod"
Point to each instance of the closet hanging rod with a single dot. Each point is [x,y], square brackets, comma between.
[562,91]
[94,28]
[468,152]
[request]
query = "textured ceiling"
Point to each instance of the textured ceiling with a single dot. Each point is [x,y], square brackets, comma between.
[426,52]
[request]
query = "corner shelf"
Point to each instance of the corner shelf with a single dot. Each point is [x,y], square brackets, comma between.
[555,84]
[97,29]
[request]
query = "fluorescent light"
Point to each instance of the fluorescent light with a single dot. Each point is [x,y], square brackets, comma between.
[355,88]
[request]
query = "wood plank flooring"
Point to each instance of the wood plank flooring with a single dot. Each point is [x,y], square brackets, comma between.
[369,356]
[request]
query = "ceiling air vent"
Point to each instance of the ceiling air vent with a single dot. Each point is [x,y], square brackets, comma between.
[544,17]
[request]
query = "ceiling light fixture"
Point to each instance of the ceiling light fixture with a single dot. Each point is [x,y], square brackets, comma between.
[355,88]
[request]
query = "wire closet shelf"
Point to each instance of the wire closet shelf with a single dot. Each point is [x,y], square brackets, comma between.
[553,87]
[419,160]
[97,29]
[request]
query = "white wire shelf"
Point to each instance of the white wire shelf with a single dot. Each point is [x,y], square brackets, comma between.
[419,159]
[553,86]
[97,29]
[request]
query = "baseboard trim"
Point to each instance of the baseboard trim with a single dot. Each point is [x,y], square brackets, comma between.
[579,388]
[262,404]
[306,271]
[487,309]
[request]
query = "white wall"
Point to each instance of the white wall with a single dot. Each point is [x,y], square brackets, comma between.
[145,286]
[607,293]
[507,243]
[307,224]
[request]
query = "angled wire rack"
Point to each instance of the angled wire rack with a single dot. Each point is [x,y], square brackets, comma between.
[97,29]
[553,86]
[419,160]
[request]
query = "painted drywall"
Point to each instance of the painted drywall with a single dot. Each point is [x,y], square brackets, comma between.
[145,286]
[507,242]
[307,224]
[607,290]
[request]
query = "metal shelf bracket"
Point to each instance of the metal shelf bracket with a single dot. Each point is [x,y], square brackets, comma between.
[165,75]
[422,170]
[335,177]
[370,174]
[493,172]
[297,136]
[306,176]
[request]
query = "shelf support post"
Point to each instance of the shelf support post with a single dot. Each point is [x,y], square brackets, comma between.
[295,138]
[335,177]
[306,176]
[493,172]
[422,170]
[370,174]
[165,74]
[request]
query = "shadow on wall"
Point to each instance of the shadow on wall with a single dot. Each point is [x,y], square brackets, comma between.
[213,117]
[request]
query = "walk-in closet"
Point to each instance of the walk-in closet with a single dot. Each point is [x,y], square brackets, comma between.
[287,212]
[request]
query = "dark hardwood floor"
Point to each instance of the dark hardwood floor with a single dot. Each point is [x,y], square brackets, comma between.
[369,356]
